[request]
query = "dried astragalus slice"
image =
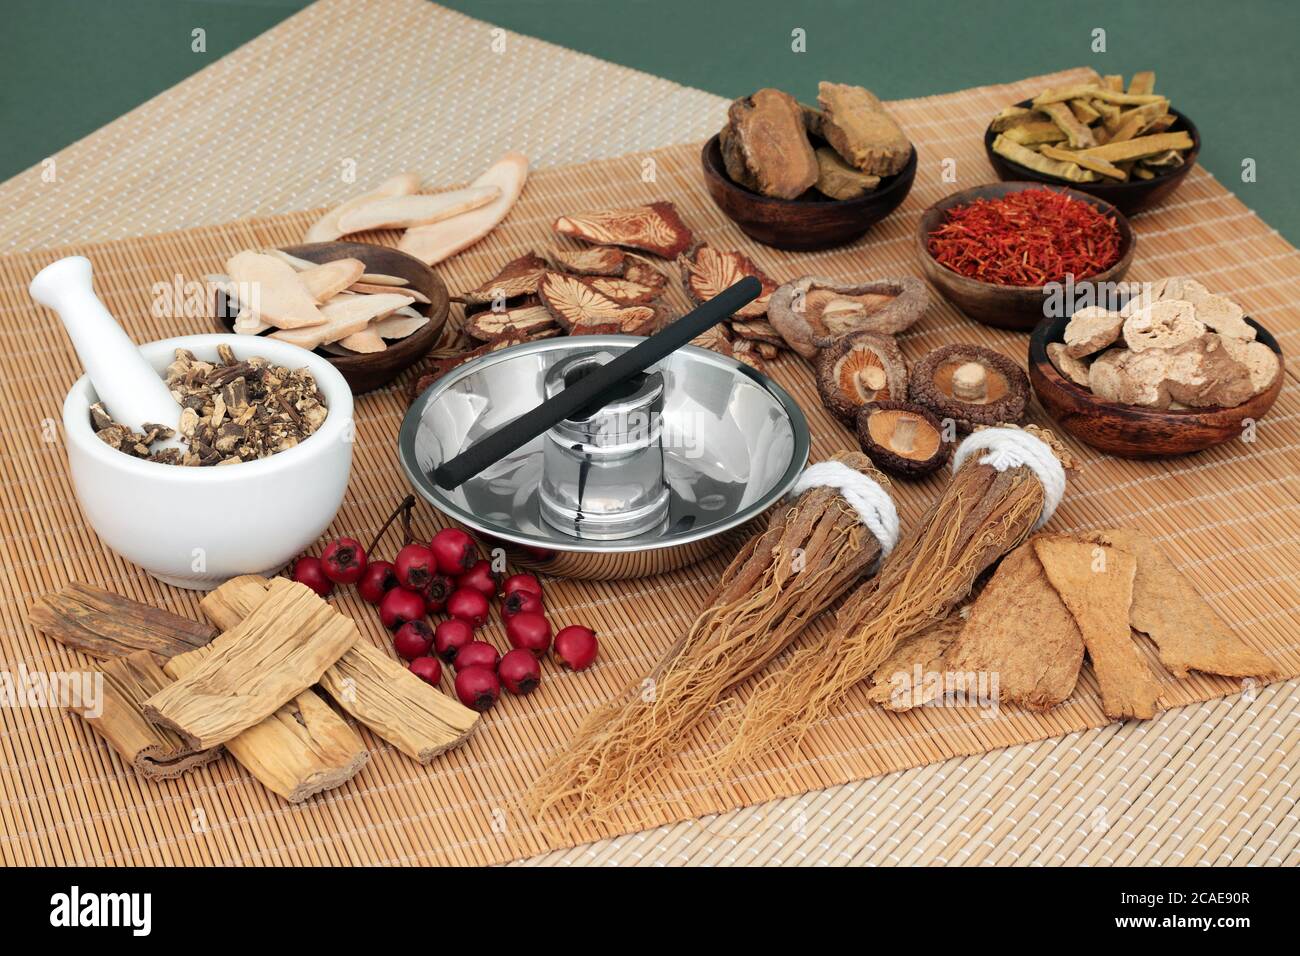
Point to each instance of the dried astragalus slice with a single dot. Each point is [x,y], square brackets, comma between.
[325,281]
[279,295]
[706,271]
[580,309]
[344,316]
[655,227]
[403,212]
[327,228]
[433,243]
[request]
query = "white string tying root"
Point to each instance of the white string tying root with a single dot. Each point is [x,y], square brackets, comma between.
[1011,447]
[872,503]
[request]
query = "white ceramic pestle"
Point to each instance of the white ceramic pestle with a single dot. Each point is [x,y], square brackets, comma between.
[132,392]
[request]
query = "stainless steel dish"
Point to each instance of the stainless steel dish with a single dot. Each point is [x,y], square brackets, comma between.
[727,441]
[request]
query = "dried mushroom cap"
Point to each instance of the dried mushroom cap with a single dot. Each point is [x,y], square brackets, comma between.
[1092,329]
[516,278]
[707,271]
[902,438]
[488,326]
[1166,324]
[812,311]
[1076,370]
[971,385]
[581,310]
[859,368]
[597,261]
[655,227]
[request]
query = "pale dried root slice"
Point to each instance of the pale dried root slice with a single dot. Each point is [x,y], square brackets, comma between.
[1188,634]
[970,385]
[516,278]
[280,297]
[581,310]
[1096,583]
[1166,324]
[902,439]
[325,281]
[859,368]
[856,124]
[596,261]
[490,325]
[1021,630]
[811,311]
[895,684]
[1092,329]
[366,342]
[1261,362]
[1204,373]
[656,228]
[344,316]
[768,129]
[1075,370]
[379,278]
[370,288]
[403,212]
[838,180]
[442,240]
[400,323]
[706,271]
[326,229]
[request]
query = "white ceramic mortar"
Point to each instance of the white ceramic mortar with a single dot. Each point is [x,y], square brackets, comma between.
[197,527]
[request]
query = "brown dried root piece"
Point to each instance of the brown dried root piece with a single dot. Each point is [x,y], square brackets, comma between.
[895,684]
[859,368]
[1261,362]
[707,271]
[855,122]
[622,290]
[811,311]
[762,602]
[105,625]
[1162,325]
[1020,629]
[489,326]
[971,385]
[1090,330]
[1076,370]
[902,439]
[733,159]
[581,310]
[836,179]
[1096,584]
[518,277]
[768,132]
[597,261]
[1188,634]
[655,228]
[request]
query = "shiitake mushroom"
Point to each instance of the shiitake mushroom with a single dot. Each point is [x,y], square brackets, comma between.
[971,385]
[858,368]
[902,438]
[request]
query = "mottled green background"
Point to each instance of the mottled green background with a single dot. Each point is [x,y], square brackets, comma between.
[69,66]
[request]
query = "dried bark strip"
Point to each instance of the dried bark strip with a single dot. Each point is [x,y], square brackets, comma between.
[247,674]
[106,625]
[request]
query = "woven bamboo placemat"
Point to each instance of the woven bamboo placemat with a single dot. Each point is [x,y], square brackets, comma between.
[1228,516]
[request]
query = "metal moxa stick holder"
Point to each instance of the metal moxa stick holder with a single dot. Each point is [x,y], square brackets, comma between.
[603,467]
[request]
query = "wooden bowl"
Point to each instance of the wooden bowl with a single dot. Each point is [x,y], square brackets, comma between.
[365,373]
[1128,196]
[809,222]
[1015,307]
[1132,432]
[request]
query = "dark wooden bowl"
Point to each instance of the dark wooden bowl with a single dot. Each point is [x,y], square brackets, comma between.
[1129,431]
[1015,307]
[1128,197]
[365,373]
[809,222]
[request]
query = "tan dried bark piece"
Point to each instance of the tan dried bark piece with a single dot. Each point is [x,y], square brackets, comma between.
[1188,634]
[707,271]
[250,671]
[344,315]
[1096,584]
[895,686]
[385,696]
[326,229]
[838,180]
[325,281]
[154,752]
[404,212]
[1141,147]
[1076,370]
[106,625]
[1003,145]
[281,298]
[768,131]
[655,227]
[581,310]
[1078,134]
[1092,329]
[1020,629]
[442,240]
[597,261]
[855,122]
[517,277]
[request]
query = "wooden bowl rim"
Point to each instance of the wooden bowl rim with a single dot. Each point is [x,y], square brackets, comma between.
[1053,330]
[408,350]
[969,286]
[1132,186]
[717,173]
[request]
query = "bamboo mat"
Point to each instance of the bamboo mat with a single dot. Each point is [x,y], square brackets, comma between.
[1205,783]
